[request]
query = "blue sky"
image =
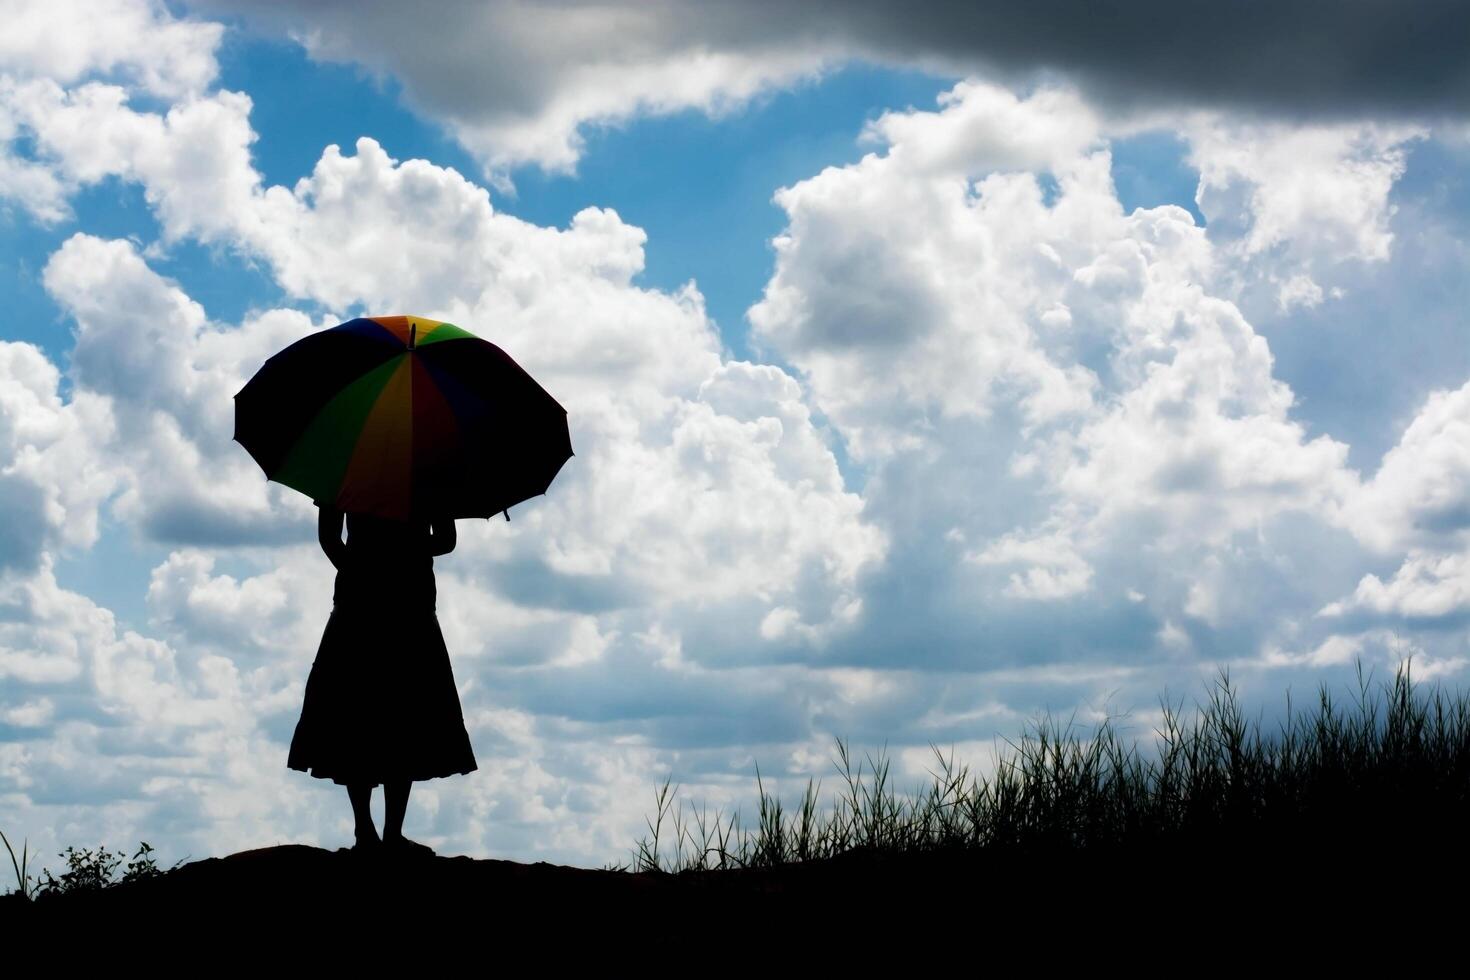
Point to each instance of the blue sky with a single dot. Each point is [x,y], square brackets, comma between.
[1005,386]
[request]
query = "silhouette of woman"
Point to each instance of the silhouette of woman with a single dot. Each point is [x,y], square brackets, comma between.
[380,705]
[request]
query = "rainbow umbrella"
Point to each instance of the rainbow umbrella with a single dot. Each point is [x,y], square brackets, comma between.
[403,416]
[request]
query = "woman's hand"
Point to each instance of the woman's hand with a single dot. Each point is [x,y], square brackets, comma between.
[442,536]
[329,534]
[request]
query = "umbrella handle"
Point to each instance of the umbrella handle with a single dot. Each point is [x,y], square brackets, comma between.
[506,512]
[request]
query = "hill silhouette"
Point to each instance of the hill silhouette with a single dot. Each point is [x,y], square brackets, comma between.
[1170,899]
[1346,828]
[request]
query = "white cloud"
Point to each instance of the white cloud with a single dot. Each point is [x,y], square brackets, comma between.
[925,309]
[52,482]
[664,488]
[1054,569]
[193,161]
[34,185]
[107,674]
[981,128]
[907,294]
[256,617]
[1417,504]
[49,45]
[169,378]
[1426,585]
[607,93]
[1298,290]
[126,731]
[68,40]
[1201,438]
[1336,650]
[1298,206]
[627,362]
[1420,495]
[519,83]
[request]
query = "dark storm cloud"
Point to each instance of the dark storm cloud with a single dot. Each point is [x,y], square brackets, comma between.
[1353,56]
[498,61]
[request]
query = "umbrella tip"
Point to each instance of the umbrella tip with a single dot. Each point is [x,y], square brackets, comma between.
[413,329]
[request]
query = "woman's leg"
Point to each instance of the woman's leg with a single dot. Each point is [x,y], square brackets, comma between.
[395,805]
[361,795]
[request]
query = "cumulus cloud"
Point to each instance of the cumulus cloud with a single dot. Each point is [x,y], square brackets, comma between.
[368,230]
[980,128]
[68,40]
[1087,321]
[187,159]
[118,731]
[52,482]
[264,613]
[1420,496]
[1418,505]
[50,49]
[1426,586]
[1058,402]
[633,366]
[1053,569]
[902,290]
[169,378]
[1298,206]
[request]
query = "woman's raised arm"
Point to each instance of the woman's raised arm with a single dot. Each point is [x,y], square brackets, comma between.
[443,536]
[329,534]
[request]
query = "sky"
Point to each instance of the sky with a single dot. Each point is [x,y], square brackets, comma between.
[930,368]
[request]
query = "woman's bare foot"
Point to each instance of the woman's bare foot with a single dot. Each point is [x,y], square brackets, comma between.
[397,844]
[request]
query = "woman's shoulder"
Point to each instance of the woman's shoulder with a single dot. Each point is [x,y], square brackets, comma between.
[364,519]
[370,528]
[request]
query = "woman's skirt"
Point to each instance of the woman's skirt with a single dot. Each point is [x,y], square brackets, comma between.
[380,704]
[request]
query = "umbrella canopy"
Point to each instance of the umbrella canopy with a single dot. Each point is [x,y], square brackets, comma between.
[402,416]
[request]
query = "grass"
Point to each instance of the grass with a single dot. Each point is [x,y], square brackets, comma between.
[1393,769]
[1330,777]
[21,867]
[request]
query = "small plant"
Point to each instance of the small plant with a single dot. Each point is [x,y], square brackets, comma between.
[142,865]
[87,870]
[21,866]
[647,858]
[92,870]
